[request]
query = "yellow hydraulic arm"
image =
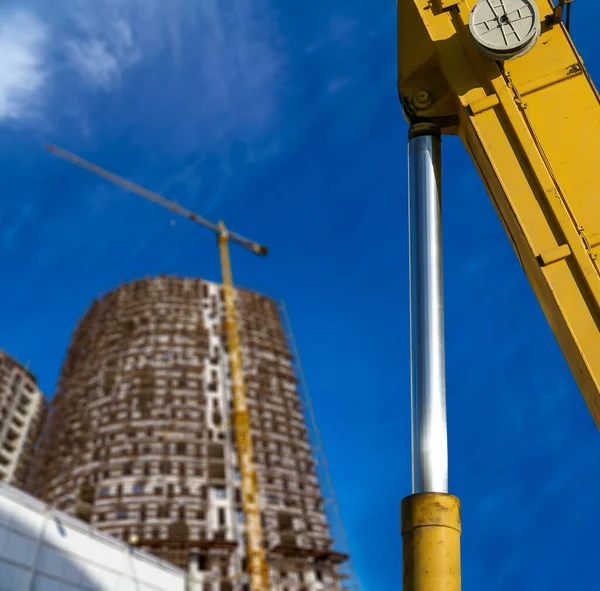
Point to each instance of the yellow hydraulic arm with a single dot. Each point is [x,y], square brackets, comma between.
[532,127]
[257,560]
[505,77]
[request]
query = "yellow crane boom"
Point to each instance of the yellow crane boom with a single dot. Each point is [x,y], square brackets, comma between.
[259,574]
[532,128]
[505,76]
[257,560]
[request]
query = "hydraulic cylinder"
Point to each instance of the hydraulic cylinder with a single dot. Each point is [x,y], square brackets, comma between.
[430,517]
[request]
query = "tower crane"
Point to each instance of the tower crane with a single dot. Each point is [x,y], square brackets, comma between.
[505,77]
[258,570]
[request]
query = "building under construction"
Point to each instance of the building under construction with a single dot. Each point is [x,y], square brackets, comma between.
[22,408]
[139,442]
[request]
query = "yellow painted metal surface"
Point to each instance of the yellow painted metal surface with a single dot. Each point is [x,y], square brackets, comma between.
[532,128]
[430,542]
[257,561]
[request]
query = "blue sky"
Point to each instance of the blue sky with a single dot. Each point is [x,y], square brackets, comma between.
[282,119]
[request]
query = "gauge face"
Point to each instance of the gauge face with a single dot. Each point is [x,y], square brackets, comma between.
[505,29]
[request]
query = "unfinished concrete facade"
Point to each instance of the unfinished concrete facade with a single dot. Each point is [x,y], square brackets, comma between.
[140,442]
[22,408]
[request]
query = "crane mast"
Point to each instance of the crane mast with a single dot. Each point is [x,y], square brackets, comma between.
[258,569]
[504,76]
[257,561]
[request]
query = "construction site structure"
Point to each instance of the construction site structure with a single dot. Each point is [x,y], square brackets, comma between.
[504,76]
[257,565]
[22,411]
[141,438]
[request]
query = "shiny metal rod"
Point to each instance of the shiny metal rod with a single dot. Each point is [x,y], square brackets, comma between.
[428,376]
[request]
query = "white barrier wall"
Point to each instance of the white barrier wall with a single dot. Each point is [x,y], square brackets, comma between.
[45,550]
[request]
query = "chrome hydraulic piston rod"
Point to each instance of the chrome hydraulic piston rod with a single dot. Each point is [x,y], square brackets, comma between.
[430,517]
[427,368]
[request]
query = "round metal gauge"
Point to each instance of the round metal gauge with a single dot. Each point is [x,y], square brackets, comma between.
[505,29]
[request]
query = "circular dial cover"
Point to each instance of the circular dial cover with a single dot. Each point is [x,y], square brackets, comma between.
[505,29]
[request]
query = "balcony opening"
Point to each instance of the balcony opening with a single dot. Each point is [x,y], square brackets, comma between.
[216,451]
[163,511]
[216,471]
[202,562]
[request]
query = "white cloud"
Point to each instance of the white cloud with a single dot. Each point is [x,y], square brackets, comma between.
[220,64]
[101,48]
[223,56]
[22,72]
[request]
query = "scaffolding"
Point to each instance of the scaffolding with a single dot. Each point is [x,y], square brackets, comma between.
[346,568]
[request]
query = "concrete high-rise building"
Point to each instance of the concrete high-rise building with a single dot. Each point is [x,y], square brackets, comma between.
[140,444]
[22,407]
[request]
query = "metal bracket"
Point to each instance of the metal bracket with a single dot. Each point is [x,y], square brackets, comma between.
[557,16]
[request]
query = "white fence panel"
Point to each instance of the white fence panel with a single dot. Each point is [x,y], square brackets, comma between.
[46,550]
